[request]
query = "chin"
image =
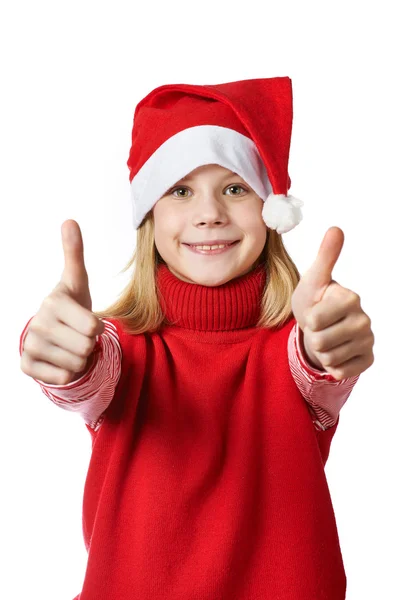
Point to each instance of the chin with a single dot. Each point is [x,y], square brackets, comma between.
[212,279]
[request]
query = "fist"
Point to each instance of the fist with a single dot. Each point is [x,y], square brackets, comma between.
[335,332]
[62,335]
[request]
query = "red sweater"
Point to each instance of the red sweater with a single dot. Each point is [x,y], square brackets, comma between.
[206,479]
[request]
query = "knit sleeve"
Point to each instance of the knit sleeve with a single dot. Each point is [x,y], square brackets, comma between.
[92,393]
[324,394]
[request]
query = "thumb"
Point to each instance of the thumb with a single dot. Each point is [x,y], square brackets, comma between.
[319,275]
[74,275]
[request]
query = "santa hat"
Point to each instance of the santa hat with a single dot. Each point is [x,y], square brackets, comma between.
[244,126]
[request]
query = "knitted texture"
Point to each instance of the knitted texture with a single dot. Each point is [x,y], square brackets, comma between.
[206,479]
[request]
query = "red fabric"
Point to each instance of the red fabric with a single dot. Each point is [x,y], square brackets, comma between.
[92,393]
[261,109]
[206,479]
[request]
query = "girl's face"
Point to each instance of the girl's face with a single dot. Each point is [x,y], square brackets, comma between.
[210,205]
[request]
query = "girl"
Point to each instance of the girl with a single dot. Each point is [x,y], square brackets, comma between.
[210,410]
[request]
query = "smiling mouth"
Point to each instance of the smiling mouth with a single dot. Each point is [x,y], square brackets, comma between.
[211,250]
[212,244]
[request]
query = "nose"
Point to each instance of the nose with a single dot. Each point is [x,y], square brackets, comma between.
[209,211]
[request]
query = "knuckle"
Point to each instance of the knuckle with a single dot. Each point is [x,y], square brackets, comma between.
[354,298]
[327,359]
[87,347]
[339,374]
[33,324]
[367,321]
[317,342]
[91,327]
[368,342]
[79,364]
[38,328]
[30,344]
[49,304]
[311,321]
[371,359]
[364,324]
[25,364]
[64,377]
[49,301]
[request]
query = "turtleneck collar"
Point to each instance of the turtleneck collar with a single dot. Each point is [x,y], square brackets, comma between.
[233,305]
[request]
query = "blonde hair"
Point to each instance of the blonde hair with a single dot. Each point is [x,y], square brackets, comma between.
[139,310]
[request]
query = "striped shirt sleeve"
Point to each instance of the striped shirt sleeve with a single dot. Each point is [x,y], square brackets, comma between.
[324,394]
[92,393]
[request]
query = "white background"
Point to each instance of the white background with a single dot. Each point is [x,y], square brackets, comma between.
[71,75]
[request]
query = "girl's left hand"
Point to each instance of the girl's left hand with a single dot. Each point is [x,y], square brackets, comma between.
[337,335]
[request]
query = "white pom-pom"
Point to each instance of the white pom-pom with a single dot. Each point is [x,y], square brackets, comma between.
[282,212]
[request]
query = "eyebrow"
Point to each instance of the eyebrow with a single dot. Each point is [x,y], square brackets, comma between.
[190,177]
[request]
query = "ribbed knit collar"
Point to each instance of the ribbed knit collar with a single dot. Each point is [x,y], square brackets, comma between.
[233,305]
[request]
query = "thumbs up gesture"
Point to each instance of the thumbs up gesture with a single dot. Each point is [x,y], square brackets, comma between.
[334,330]
[74,279]
[61,337]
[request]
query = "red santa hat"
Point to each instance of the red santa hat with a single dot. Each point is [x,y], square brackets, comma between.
[244,126]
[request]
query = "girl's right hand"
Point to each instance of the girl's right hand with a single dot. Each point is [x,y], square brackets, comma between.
[62,335]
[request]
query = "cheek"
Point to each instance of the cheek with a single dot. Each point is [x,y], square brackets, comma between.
[167,227]
[256,231]
[252,224]
[249,214]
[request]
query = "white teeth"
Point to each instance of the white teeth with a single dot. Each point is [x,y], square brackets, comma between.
[211,247]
